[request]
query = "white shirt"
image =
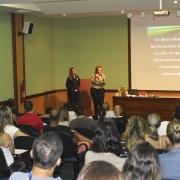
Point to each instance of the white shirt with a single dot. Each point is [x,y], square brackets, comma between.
[11,130]
[109,114]
[162,128]
[72,115]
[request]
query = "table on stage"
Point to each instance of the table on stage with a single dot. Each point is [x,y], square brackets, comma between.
[143,106]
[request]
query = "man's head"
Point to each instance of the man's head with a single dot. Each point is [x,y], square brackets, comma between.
[47,150]
[79,110]
[54,115]
[28,106]
[177,112]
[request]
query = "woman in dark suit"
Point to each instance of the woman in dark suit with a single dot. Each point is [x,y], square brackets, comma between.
[72,85]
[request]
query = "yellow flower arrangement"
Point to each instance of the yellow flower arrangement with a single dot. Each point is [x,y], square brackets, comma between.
[122,89]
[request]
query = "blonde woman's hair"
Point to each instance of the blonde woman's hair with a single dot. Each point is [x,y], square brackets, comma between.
[153,121]
[64,114]
[6,113]
[117,110]
[173,132]
[106,106]
[135,131]
[1,131]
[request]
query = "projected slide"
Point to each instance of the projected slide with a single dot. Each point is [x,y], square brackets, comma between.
[155,53]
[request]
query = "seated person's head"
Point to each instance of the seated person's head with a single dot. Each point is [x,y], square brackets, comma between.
[28,106]
[106,139]
[135,131]
[79,110]
[173,133]
[64,114]
[142,163]
[48,110]
[6,113]
[106,106]
[47,150]
[117,110]
[54,115]
[100,170]
[153,121]
[101,114]
[177,112]
[68,106]
[10,102]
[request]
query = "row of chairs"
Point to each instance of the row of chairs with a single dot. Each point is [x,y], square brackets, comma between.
[70,154]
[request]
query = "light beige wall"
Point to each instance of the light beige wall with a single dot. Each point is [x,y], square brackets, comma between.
[60,53]
[6,58]
[39,56]
[88,42]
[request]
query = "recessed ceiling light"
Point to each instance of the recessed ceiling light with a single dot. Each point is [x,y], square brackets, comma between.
[175,1]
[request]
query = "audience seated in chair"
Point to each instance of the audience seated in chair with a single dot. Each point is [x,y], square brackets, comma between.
[81,121]
[142,163]
[135,131]
[102,116]
[46,152]
[170,161]
[47,111]
[154,121]
[64,117]
[100,170]
[118,114]
[6,144]
[54,120]
[71,112]
[15,113]
[8,125]
[30,118]
[108,112]
[106,146]
[54,116]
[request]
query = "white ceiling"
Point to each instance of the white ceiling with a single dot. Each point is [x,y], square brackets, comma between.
[56,8]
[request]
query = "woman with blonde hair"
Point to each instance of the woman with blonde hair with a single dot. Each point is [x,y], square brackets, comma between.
[169,162]
[135,131]
[154,121]
[6,144]
[64,117]
[8,124]
[118,114]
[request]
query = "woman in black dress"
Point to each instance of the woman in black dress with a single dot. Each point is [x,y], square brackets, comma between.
[72,85]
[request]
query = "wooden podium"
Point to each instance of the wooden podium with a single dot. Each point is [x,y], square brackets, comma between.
[85,96]
[143,106]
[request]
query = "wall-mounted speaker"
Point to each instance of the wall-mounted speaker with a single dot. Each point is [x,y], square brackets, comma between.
[28,28]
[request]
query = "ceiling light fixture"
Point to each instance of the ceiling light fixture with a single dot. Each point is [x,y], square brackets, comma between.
[129,16]
[175,1]
[122,11]
[143,15]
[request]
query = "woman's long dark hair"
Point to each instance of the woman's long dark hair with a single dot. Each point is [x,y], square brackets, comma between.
[106,139]
[142,163]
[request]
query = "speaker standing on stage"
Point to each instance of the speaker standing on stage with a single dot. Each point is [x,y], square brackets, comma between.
[72,85]
[98,81]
